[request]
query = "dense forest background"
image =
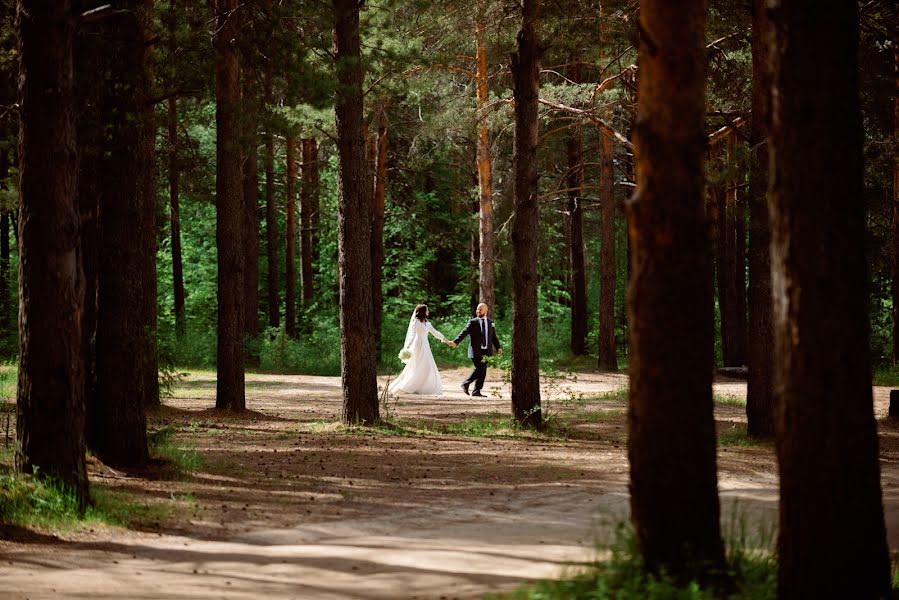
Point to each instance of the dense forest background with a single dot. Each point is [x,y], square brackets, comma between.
[421,79]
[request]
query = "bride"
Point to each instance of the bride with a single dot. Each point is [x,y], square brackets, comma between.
[420,375]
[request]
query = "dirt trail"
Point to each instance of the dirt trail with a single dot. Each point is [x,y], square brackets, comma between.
[290,505]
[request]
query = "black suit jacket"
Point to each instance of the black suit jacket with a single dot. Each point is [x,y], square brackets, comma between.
[476,338]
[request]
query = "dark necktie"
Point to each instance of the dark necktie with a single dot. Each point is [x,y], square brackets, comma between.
[484,333]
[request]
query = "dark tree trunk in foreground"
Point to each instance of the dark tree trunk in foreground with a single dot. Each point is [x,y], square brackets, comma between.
[760,392]
[290,234]
[251,214]
[608,261]
[310,156]
[229,215]
[671,446]
[826,436]
[271,234]
[357,349]
[50,396]
[175,219]
[525,233]
[126,185]
[574,150]
[377,230]
[734,250]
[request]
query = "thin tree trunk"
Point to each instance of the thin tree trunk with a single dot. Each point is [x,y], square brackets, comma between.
[290,271]
[671,445]
[825,429]
[734,279]
[251,209]
[525,68]
[486,280]
[578,287]
[309,158]
[271,232]
[608,261]
[760,393]
[896,212]
[50,397]
[377,228]
[357,352]
[230,393]
[5,320]
[314,205]
[149,227]
[175,220]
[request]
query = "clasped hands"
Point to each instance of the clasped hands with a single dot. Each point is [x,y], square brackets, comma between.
[450,343]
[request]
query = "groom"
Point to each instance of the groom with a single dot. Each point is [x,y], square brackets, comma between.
[482,341]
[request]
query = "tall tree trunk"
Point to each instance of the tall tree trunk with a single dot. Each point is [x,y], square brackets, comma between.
[357,352]
[608,261]
[149,226]
[4,274]
[760,393]
[290,234]
[309,158]
[50,396]
[314,204]
[271,233]
[718,218]
[896,212]
[251,209]
[377,229]
[734,280]
[575,182]
[230,393]
[486,279]
[671,446]
[127,199]
[525,233]
[175,219]
[826,435]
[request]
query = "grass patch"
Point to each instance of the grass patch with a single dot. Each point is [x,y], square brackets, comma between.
[9,377]
[597,416]
[752,570]
[735,436]
[181,459]
[730,400]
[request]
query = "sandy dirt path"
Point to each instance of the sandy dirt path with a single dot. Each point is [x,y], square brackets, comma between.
[288,504]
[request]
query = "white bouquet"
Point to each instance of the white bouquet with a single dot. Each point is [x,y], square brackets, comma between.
[405,354]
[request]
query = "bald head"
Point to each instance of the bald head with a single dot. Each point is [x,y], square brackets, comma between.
[482,310]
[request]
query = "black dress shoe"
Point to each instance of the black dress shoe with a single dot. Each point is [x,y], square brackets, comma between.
[465,388]
[478,393]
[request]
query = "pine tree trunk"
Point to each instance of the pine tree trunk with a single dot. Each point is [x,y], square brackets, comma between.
[357,351]
[734,279]
[826,435]
[315,209]
[377,229]
[718,219]
[309,158]
[251,210]
[175,220]
[525,68]
[5,324]
[760,393]
[671,445]
[896,212]
[574,148]
[50,397]
[486,279]
[271,232]
[127,195]
[230,393]
[608,261]
[290,235]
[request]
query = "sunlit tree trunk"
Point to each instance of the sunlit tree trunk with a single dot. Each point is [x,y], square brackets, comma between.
[357,349]
[50,398]
[290,236]
[671,442]
[486,279]
[525,68]
[377,228]
[824,420]
[308,166]
[271,233]
[608,261]
[251,208]
[229,227]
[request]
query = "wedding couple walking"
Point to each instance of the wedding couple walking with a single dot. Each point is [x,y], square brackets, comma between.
[420,375]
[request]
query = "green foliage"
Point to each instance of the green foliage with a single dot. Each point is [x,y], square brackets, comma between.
[181,458]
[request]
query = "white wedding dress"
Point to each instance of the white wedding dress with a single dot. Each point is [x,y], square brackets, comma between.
[420,375]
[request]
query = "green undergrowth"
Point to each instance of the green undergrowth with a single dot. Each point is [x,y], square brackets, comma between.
[180,458]
[736,436]
[751,570]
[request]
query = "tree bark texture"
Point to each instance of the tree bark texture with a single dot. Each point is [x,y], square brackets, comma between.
[525,68]
[671,445]
[251,209]
[230,393]
[824,419]
[271,234]
[310,157]
[895,289]
[377,229]
[357,351]
[575,181]
[608,261]
[50,396]
[760,391]
[290,235]
[486,277]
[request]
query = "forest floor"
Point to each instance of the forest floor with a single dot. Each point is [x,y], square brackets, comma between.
[446,502]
